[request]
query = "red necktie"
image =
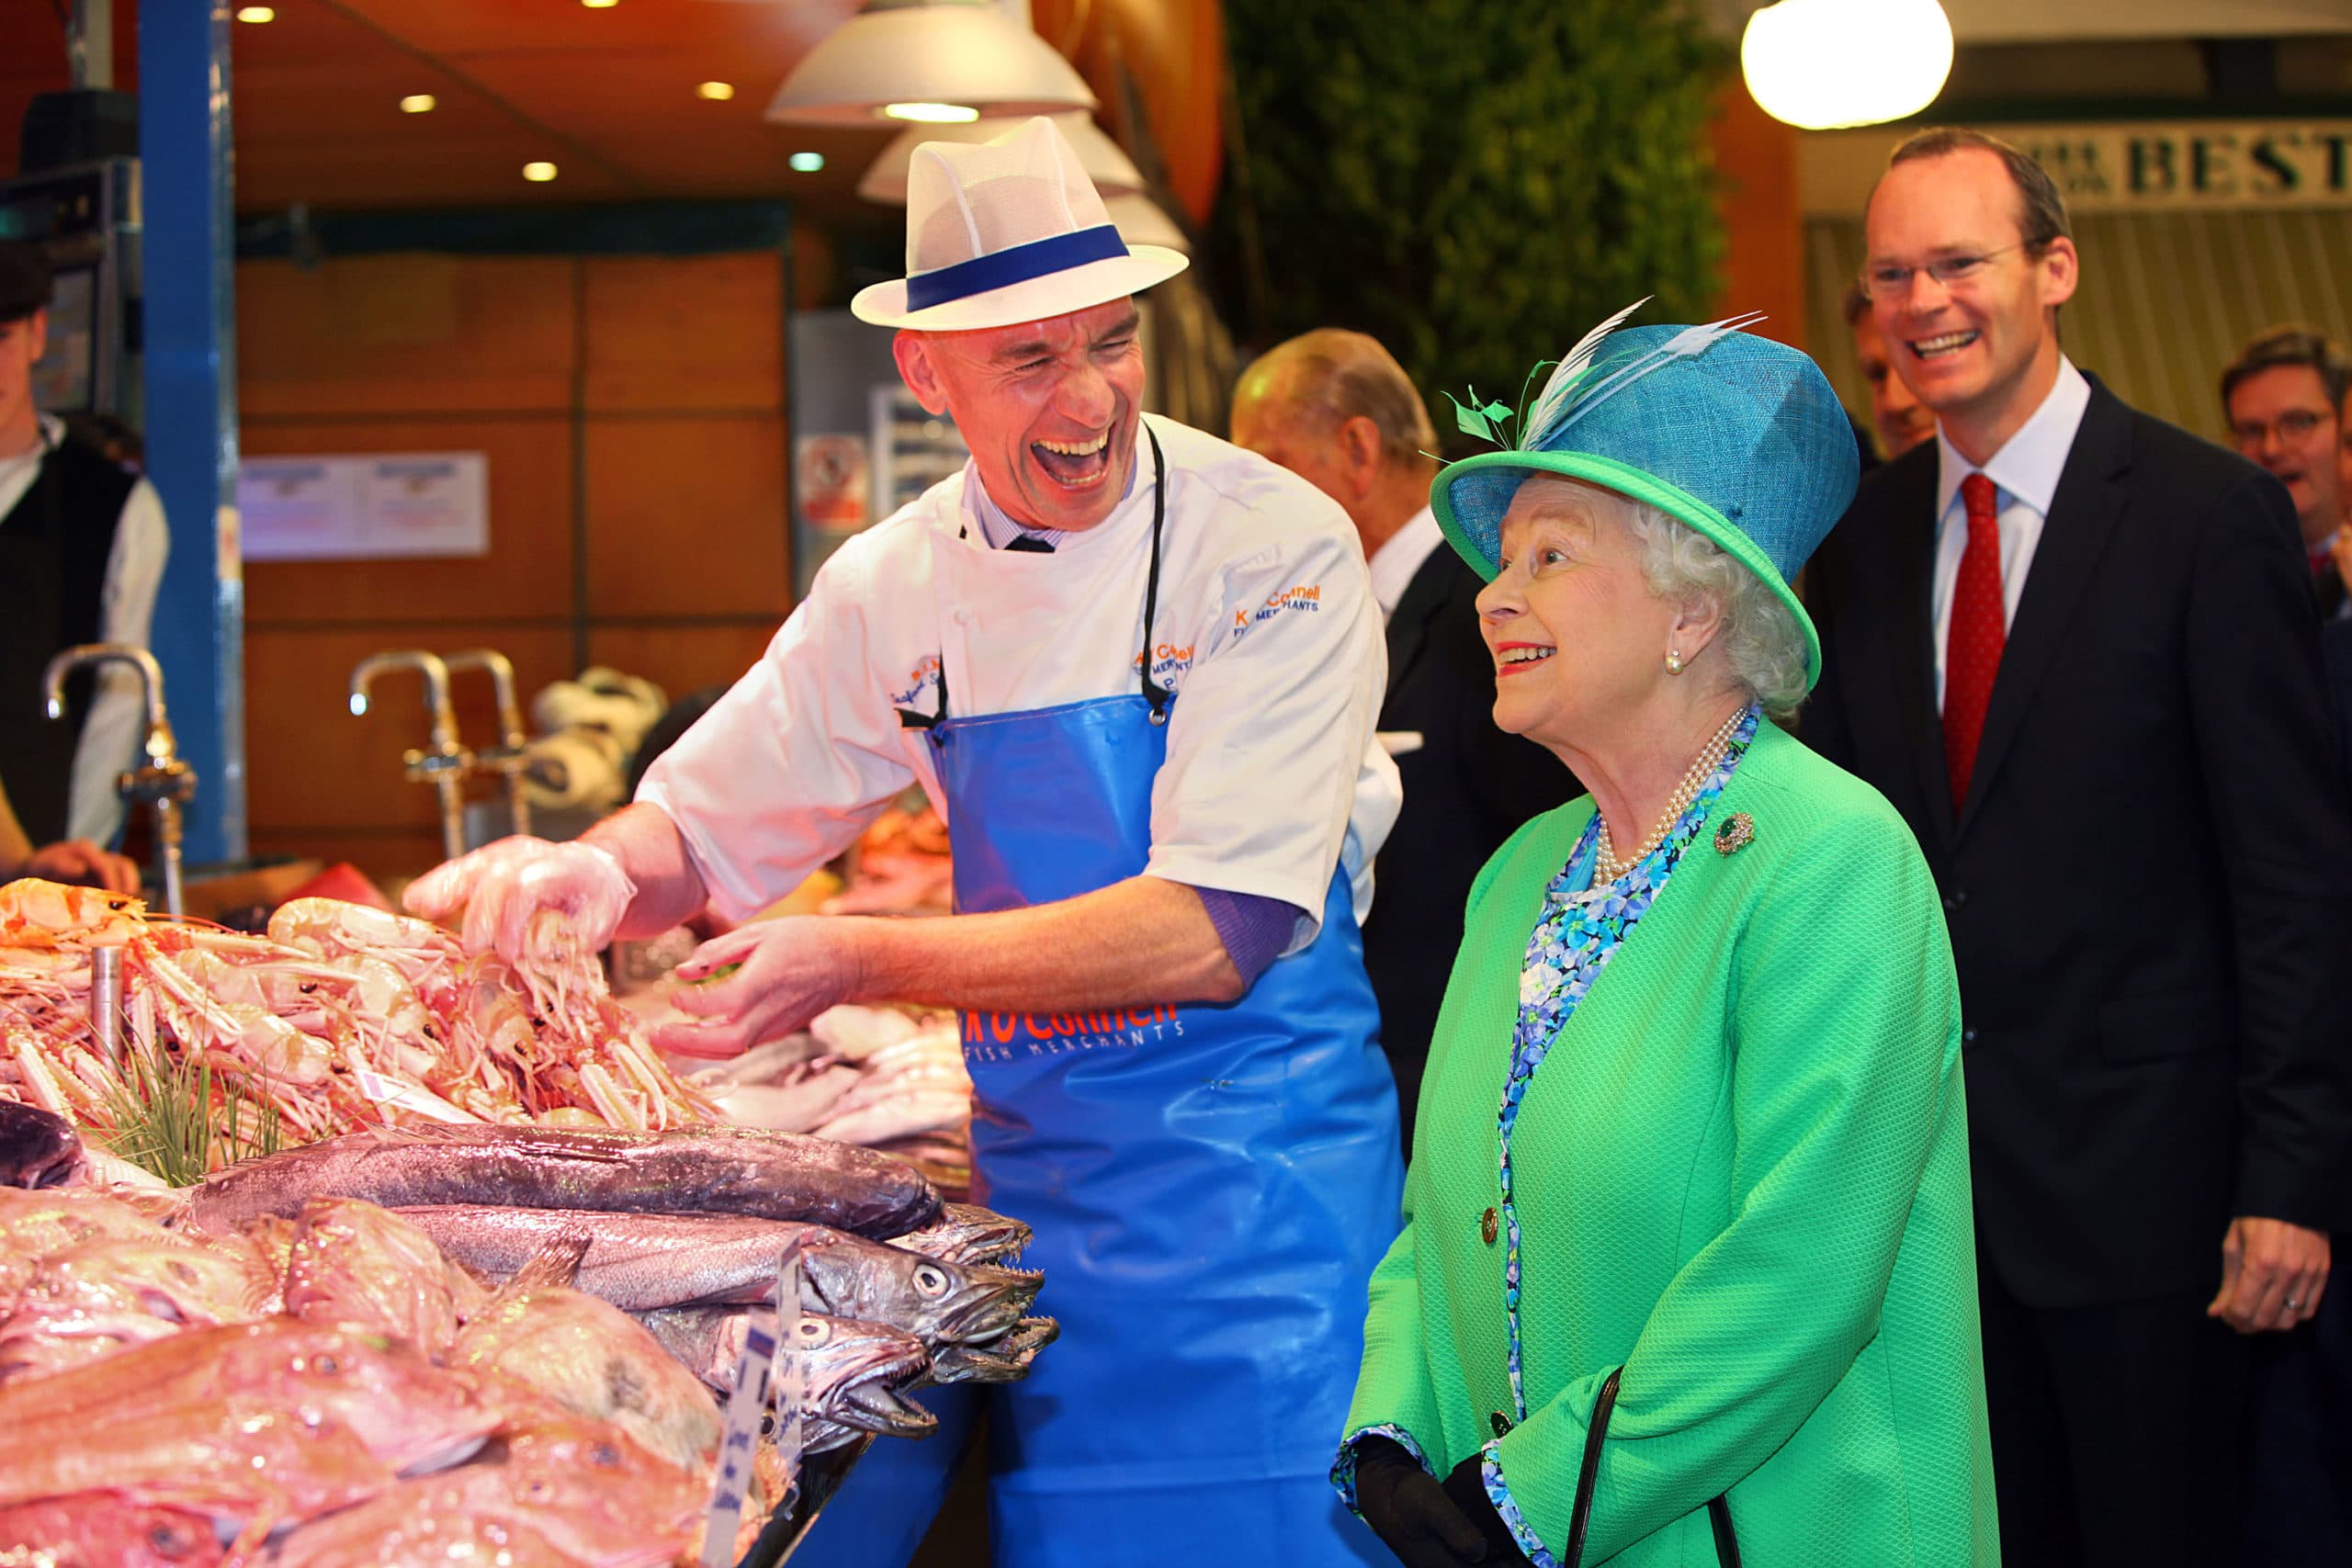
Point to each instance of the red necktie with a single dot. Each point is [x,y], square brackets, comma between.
[1972,647]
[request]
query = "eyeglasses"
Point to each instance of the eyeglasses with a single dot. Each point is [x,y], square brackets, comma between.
[2294,425]
[1891,282]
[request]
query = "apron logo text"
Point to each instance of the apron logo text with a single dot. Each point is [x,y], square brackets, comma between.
[1008,1036]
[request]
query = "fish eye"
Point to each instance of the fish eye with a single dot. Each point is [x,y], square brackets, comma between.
[931,1279]
[605,1456]
[539,1490]
[326,1365]
[814,1333]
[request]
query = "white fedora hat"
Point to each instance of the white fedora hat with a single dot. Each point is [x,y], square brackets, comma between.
[1007,231]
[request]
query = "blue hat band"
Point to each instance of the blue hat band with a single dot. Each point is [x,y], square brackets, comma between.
[1002,269]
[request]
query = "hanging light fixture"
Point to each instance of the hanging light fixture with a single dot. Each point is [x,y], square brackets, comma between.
[1113,172]
[1142,221]
[934,61]
[1822,64]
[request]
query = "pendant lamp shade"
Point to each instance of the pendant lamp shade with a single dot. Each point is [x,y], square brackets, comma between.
[1140,221]
[1113,172]
[946,60]
[1822,64]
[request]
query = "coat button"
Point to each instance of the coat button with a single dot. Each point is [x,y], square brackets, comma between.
[1501,1423]
[1487,1227]
[1968,1037]
[1955,898]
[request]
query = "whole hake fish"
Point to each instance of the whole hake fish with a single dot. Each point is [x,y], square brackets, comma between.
[856,1374]
[774,1176]
[649,1262]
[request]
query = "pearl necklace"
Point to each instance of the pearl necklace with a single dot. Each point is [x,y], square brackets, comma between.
[1606,865]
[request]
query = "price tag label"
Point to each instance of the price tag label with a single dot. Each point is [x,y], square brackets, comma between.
[741,1445]
[763,1375]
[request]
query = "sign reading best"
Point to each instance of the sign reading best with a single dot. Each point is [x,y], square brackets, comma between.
[2129,167]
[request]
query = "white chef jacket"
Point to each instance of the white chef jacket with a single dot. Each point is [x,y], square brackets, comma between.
[1265,628]
[117,720]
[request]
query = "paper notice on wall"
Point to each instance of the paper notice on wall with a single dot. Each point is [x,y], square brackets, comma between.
[380,506]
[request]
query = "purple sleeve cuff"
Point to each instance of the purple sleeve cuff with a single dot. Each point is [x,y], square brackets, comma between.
[1254,929]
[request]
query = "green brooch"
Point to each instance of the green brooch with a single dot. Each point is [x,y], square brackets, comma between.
[1737,833]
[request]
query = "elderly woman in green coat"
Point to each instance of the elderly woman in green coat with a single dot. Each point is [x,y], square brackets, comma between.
[1687,1274]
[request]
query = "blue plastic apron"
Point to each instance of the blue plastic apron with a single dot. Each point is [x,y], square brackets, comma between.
[1211,1187]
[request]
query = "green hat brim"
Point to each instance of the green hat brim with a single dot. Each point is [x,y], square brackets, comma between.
[1642,485]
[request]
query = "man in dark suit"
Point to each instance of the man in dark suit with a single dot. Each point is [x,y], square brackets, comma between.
[2071,645]
[1335,408]
[2281,396]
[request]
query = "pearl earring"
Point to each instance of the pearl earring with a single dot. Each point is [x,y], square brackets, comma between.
[1674,663]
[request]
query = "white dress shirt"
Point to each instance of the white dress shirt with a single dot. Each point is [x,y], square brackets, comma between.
[1398,560]
[1265,627]
[116,721]
[2025,472]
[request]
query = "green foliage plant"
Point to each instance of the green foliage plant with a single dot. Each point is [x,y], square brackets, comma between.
[1474,184]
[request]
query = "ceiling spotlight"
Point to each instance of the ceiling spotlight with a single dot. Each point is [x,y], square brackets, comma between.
[417,103]
[932,114]
[255,13]
[717,92]
[807,162]
[539,173]
[599,5]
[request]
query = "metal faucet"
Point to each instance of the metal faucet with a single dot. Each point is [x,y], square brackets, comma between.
[163,780]
[445,766]
[506,758]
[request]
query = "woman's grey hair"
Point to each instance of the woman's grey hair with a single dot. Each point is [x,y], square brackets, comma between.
[1763,645]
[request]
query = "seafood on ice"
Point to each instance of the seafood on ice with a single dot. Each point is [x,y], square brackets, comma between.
[338,1383]
[859,1075]
[343,1017]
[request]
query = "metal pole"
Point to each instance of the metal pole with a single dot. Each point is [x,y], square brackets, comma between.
[91,43]
[105,1001]
[167,846]
[191,379]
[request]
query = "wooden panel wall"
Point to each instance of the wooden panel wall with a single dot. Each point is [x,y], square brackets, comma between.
[633,412]
[1763,218]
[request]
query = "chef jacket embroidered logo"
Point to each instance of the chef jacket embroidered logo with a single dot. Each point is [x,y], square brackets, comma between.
[925,673]
[1008,1036]
[1169,662]
[1305,596]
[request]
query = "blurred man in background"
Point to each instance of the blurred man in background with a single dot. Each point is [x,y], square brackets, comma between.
[1901,420]
[82,550]
[1336,409]
[2283,396]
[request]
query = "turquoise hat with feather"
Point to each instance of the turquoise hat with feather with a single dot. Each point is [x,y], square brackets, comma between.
[1736,435]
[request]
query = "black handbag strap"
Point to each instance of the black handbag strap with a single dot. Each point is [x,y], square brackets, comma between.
[1589,1473]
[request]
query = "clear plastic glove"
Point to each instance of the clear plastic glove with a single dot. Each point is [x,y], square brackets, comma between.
[500,887]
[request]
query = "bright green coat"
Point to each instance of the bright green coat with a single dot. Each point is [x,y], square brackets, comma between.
[1742,1174]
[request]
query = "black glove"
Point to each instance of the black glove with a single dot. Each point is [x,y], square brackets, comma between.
[1411,1512]
[1466,1489]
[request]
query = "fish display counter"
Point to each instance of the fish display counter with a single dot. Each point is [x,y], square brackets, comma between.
[342,1246]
